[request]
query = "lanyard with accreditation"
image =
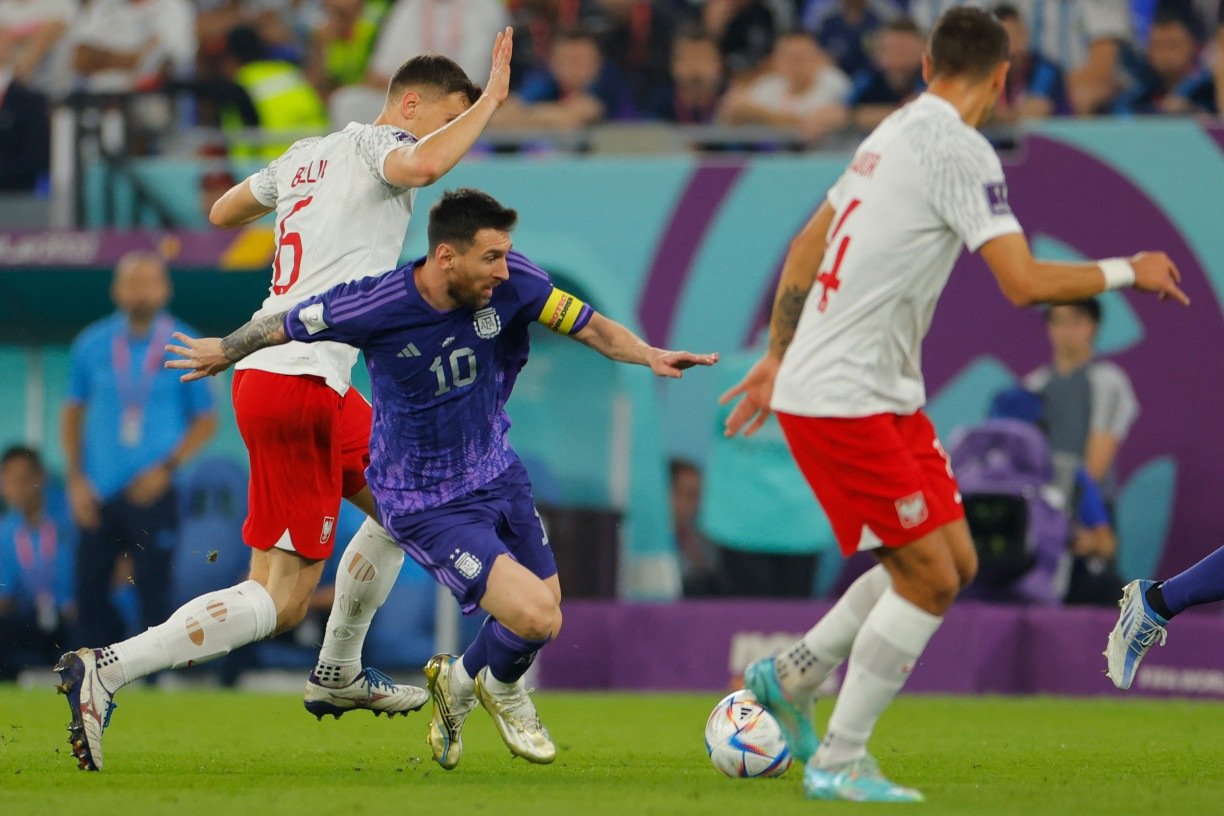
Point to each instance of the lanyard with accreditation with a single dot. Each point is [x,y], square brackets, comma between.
[134,391]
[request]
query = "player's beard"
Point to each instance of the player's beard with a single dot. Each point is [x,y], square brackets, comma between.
[468,295]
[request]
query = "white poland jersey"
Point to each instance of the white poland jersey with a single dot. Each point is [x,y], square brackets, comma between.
[337,219]
[919,186]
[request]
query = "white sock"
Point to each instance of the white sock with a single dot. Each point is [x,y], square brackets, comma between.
[806,664]
[460,680]
[204,628]
[498,686]
[889,644]
[368,568]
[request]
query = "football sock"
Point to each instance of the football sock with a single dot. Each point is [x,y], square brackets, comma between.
[1200,584]
[204,628]
[508,655]
[460,679]
[892,638]
[1156,600]
[805,665]
[476,655]
[368,568]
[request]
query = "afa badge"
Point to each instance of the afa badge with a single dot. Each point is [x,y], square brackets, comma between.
[486,323]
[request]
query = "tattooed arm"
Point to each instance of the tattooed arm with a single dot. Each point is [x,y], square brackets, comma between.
[798,274]
[210,356]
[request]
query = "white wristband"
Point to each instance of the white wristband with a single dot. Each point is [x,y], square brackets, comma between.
[1118,272]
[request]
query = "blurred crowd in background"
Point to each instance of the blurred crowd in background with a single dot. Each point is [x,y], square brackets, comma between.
[811,68]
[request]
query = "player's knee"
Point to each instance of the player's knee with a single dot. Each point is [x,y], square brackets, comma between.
[538,617]
[966,569]
[288,617]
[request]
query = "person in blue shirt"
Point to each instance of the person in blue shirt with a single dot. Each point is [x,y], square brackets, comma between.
[37,542]
[894,77]
[444,338]
[845,27]
[1174,79]
[127,426]
[1035,86]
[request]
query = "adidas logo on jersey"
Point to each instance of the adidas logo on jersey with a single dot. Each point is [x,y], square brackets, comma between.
[409,350]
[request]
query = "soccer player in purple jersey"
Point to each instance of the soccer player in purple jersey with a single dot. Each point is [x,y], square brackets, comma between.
[444,339]
[1147,608]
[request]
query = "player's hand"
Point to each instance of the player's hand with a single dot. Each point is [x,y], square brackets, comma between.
[84,502]
[1155,272]
[757,390]
[499,74]
[202,358]
[672,363]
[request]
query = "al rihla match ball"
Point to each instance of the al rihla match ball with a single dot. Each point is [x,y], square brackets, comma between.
[744,740]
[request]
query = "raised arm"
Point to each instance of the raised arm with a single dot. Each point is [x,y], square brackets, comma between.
[209,356]
[616,342]
[798,275]
[1026,281]
[428,160]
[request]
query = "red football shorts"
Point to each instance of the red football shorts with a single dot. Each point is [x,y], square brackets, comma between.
[880,479]
[308,447]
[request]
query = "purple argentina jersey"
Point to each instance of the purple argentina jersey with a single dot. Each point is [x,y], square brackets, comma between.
[440,379]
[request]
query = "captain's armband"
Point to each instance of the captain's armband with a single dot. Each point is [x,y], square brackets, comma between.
[564,313]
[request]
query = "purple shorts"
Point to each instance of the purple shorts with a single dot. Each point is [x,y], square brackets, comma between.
[458,542]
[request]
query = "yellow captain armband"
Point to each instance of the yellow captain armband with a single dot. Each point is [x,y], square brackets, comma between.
[561,311]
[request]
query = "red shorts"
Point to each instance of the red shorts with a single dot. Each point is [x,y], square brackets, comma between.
[308,447]
[880,479]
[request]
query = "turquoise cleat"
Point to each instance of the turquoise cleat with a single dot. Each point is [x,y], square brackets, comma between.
[859,780]
[761,678]
[1137,630]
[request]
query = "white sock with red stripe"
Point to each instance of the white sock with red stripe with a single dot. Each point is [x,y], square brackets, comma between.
[890,642]
[805,665]
[202,629]
[368,568]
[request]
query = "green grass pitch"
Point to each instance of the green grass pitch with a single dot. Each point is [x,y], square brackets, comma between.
[221,753]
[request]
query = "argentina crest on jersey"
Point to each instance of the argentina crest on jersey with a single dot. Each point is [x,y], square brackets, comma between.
[487,323]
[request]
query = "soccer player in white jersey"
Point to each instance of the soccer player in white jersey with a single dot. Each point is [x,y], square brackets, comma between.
[342,204]
[843,375]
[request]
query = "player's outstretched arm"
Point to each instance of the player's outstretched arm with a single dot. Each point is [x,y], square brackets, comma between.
[798,274]
[209,356]
[1026,281]
[616,342]
[238,207]
[428,160]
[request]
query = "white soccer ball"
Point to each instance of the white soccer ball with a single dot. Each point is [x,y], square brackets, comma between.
[744,740]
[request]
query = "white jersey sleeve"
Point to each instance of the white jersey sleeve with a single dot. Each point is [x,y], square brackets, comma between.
[966,188]
[263,185]
[374,144]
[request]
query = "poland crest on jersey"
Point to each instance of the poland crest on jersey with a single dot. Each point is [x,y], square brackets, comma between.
[912,510]
[487,323]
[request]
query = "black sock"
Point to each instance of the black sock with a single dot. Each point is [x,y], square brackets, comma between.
[1155,599]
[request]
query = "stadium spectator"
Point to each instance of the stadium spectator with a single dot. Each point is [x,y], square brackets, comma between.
[803,91]
[1087,37]
[265,92]
[1035,86]
[845,27]
[579,89]
[37,543]
[341,47]
[1089,407]
[25,135]
[278,22]
[636,36]
[745,31]
[696,85]
[127,425]
[895,76]
[121,45]
[1174,80]
[33,43]
[699,566]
